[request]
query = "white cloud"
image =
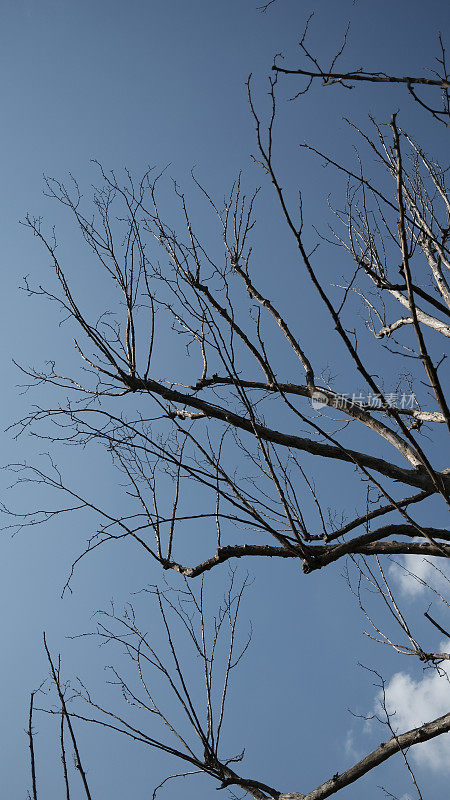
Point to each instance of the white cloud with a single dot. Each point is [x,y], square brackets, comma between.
[414,702]
[413,573]
[350,747]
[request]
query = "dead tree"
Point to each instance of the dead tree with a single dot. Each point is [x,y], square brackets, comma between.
[251,437]
[192,733]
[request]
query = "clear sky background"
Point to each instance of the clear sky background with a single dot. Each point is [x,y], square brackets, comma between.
[163,83]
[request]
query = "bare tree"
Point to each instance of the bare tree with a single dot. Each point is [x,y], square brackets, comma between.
[231,423]
[192,733]
[213,641]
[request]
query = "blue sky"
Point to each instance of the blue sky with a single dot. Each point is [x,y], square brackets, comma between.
[163,83]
